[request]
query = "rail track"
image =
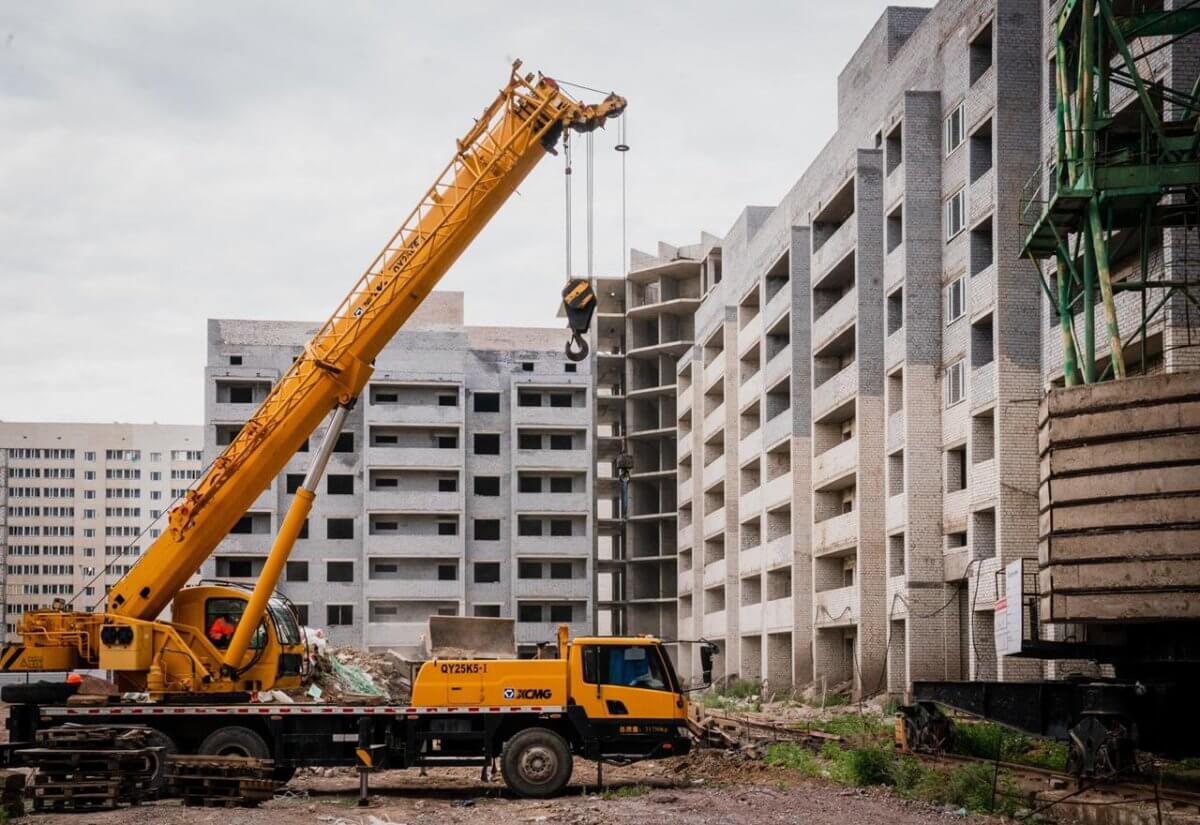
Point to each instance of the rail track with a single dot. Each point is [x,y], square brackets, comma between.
[1070,788]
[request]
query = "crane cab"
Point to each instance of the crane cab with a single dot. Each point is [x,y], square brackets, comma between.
[276,652]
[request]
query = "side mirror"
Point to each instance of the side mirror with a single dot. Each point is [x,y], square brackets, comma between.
[706,661]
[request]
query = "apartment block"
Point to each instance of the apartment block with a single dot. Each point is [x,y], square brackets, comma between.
[857,446]
[80,502]
[461,484]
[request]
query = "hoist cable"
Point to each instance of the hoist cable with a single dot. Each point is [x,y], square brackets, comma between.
[591,213]
[567,178]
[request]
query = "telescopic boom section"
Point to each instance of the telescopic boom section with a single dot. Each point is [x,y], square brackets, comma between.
[506,142]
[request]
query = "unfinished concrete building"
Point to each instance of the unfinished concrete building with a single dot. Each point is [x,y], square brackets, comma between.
[645,323]
[460,486]
[80,502]
[853,489]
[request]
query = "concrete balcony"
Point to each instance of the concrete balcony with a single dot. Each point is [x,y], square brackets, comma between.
[778,368]
[752,560]
[552,589]
[246,544]
[954,511]
[750,618]
[835,392]
[984,598]
[985,487]
[835,320]
[780,303]
[407,546]
[981,293]
[429,415]
[751,445]
[750,335]
[409,589]
[714,421]
[896,516]
[894,267]
[836,247]
[777,429]
[552,502]
[714,623]
[267,500]
[551,416]
[777,491]
[415,457]
[552,546]
[835,464]
[750,389]
[895,431]
[777,615]
[684,445]
[778,552]
[714,471]
[983,385]
[686,539]
[684,585]
[981,196]
[683,401]
[897,593]
[835,534]
[684,491]
[225,412]
[893,184]
[836,608]
[714,573]
[982,97]
[751,502]
[895,348]
[551,459]
[714,522]
[412,501]
[714,372]
[394,634]
[529,633]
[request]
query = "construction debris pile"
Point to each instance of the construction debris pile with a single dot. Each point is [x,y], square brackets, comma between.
[350,675]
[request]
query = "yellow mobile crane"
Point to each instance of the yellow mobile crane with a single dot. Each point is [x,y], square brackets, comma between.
[181,657]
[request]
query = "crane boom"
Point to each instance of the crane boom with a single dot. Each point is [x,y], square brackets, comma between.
[490,161]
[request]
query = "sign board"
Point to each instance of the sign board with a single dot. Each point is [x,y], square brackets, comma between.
[1010,611]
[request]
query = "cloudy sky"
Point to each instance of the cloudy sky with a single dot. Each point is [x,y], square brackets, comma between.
[163,163]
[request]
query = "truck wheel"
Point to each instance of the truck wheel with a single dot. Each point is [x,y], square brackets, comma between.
[158,739]
[234,741]
[536,763]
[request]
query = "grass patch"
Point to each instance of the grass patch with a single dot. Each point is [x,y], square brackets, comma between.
[854,726]
[625,792]
[985,739]
[965,786]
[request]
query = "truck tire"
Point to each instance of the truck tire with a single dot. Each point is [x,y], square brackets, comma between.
[536,763]
[158,739]
[38,693]
[234,741]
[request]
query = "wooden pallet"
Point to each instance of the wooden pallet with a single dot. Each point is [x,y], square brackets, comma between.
[83,767]
[221,781]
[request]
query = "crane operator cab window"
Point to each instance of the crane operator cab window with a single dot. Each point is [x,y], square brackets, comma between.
[625,666]
[221,617]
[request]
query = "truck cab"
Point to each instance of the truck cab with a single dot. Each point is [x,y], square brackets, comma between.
[616,699]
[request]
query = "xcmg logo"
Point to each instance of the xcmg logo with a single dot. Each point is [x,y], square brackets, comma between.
[527,693]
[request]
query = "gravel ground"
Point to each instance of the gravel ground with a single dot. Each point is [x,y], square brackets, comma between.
[691,792]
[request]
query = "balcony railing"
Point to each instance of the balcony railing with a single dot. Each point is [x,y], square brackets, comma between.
[714,624]
[779,552]
[780,302]
[432,415]
[751,502]
[750,618]
[836,391]
[423,546]
[552,545]
[894,348]
[578,502]
[751,334]
[714,573]
[835,319]
[777,429]
[752,560]
[836,463]
[778,490]
[835,534]
[897,511]
[837,608]
[410,501]
[551,416]
[715,371]
[834,248]
[575,589]
[415,457]
[714,421]
[714,522]
[983,385]
[778,614]
[552,459]
[404,588]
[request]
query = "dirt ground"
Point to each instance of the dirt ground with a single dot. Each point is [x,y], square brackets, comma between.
[697,791]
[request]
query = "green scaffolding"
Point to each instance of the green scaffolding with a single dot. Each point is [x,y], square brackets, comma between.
[1119,178]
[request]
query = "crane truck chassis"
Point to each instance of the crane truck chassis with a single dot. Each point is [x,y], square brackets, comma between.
[607,699]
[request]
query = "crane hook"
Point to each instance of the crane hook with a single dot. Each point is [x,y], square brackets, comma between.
[581,347]
[579,302]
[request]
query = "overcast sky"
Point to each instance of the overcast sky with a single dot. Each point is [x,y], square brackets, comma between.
[164,163]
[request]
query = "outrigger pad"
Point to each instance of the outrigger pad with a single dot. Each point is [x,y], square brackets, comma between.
[463,637]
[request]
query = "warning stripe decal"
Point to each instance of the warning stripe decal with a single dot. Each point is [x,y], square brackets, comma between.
[277,710]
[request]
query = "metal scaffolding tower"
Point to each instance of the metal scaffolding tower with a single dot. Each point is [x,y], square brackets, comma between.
[1117,211]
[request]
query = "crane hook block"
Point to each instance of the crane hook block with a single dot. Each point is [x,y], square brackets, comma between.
[579,302]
